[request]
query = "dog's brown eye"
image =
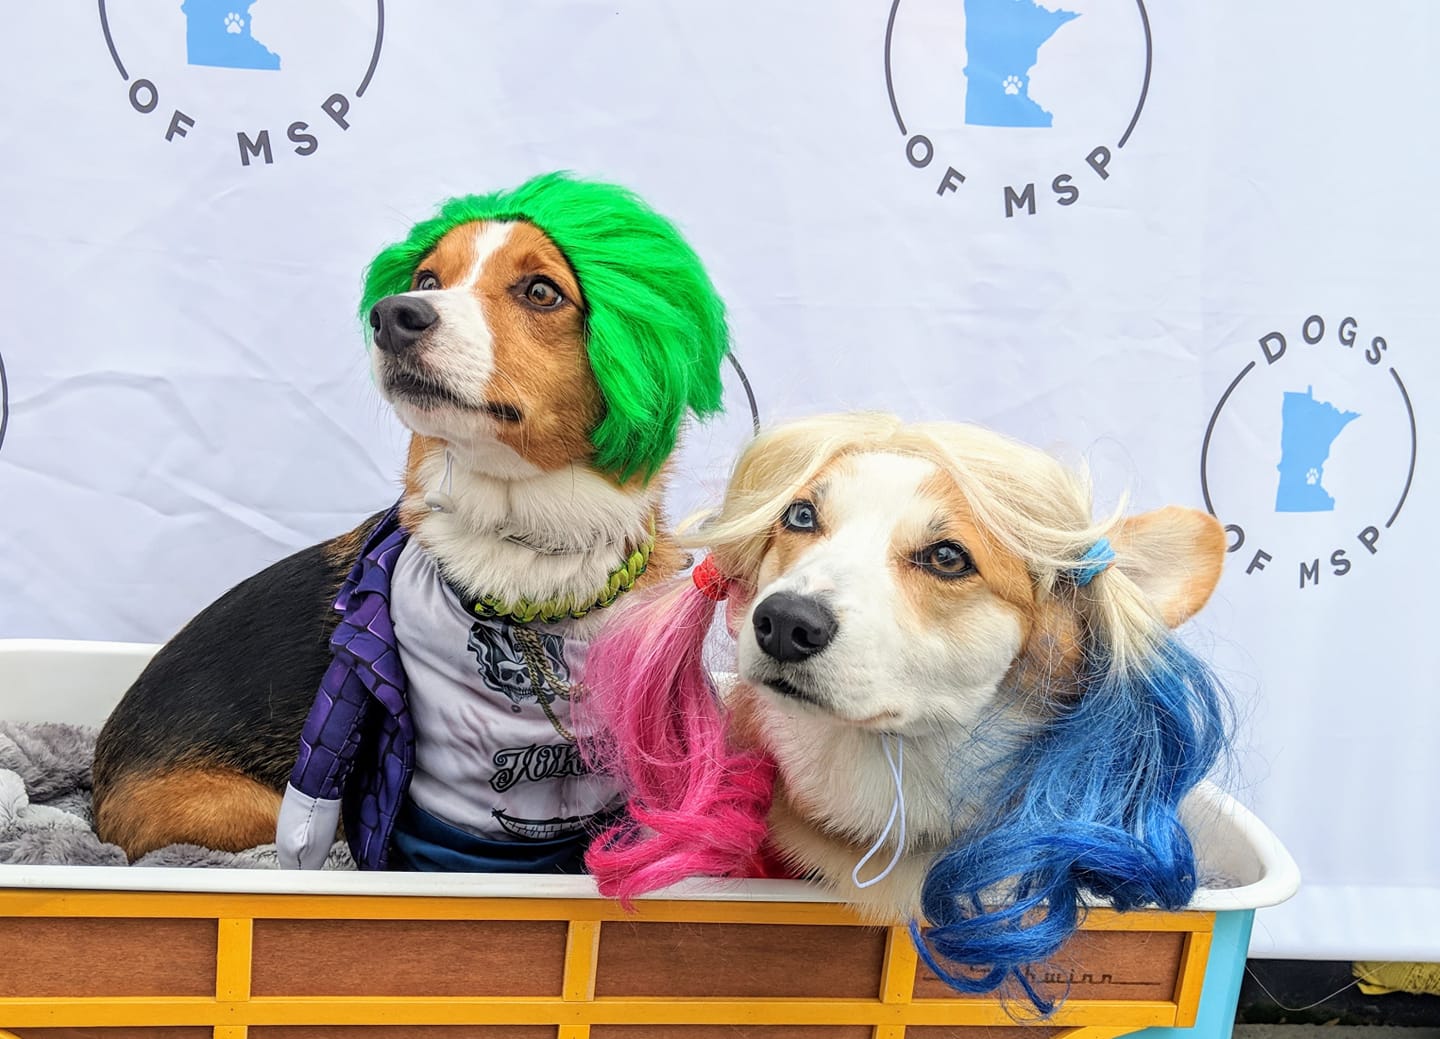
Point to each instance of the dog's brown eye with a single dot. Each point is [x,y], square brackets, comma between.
[945,559]
[426,281]
[801,516]
[542,293]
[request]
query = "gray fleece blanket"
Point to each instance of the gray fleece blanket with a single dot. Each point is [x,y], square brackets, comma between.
[46,816]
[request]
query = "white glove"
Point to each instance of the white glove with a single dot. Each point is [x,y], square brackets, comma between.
[306,830]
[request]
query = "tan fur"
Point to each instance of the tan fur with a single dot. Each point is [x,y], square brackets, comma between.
[666,560]
[1001,579]
[541,363]
[452,258]
[210,806]
[784,547]
[412,503]
[746,725]
[542,366]
[1175,555]
[1050,655]
[807,847]
[1048,667]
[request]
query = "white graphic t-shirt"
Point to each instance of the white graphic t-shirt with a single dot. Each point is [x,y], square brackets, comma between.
[490,703]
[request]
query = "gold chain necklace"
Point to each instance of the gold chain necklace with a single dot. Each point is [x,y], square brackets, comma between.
[542,676]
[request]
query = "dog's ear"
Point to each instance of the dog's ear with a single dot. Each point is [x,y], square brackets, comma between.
[1047,668]
[1175,555]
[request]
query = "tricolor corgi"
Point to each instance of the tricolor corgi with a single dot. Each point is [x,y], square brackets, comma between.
[410,681]
[959,697]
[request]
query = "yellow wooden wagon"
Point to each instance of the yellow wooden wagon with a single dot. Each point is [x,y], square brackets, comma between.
[119,953]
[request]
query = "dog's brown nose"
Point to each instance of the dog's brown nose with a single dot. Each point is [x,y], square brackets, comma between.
[400,321]
[792,627]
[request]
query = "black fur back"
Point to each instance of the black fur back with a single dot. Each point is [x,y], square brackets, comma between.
[233,687]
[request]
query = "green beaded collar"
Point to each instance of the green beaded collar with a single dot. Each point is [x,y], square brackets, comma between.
[526,611]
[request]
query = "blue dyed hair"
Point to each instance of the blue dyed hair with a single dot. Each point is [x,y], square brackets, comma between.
[1086,804]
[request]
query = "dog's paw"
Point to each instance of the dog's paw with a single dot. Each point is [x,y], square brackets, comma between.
[1312,477]
[234,23]
[1012,84]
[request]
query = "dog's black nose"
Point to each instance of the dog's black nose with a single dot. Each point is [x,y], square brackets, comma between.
[399,321]
[791,627]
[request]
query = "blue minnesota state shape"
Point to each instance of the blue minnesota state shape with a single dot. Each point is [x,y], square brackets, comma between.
[1308,428]
[1002,44]
[217,32]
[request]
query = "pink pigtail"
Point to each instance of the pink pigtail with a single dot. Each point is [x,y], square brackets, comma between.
[651,717]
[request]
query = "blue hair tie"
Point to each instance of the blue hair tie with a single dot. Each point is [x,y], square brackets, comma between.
[1092,563]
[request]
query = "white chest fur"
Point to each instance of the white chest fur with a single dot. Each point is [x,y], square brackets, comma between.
[530,534]
[838,777]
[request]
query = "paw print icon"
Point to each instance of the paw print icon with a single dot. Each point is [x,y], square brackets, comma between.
[221,34]
[1012,84]
[1312,477]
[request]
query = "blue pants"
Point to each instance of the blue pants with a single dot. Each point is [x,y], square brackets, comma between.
[424,844]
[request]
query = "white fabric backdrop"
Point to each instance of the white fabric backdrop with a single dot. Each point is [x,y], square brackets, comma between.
[188,397]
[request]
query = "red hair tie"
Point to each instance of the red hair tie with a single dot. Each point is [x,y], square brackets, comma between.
[710,580]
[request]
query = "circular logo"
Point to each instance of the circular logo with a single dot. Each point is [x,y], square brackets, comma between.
[1014,105]
[262,79]
[1310,451]
[4,402]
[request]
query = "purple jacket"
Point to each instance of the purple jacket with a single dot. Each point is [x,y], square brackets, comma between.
[360,716]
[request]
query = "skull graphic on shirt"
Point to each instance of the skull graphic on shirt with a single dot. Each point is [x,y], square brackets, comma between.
[504,668]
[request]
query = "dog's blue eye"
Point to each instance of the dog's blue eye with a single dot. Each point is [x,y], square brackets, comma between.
[801,516]
[426,281]
[945,559]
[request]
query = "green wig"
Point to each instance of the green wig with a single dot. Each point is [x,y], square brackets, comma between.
[655,327]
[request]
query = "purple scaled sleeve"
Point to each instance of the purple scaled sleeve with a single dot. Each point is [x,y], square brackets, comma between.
[364,668]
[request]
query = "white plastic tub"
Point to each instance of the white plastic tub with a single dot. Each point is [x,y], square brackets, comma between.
[224,952]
